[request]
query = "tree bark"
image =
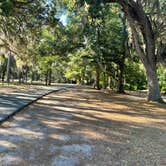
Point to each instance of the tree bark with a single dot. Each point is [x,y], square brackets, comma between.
[49,76]
[19,76]
[120,88]
[32,76]
[26,75]
[3,76]
[105,80]
[46,78]
[8,69]
[97,81]
[153,86]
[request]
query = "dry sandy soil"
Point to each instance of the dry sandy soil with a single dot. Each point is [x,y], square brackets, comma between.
[15,88]
[85,127]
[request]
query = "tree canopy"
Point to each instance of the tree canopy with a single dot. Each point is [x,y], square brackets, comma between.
[118,44]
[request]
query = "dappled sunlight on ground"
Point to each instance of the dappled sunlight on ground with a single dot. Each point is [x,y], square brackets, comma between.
[84,126]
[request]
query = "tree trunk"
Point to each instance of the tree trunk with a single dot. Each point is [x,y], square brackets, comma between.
[32,76]
[3,76]
[19,76]
[149,62]
[8,69]
[3,73]
[110,82]
[46,78]
[120,88]
[97,81]
[153,86]
[26,76]
[49,77]
[105,81]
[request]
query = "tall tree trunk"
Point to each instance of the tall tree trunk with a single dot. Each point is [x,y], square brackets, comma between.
[32,76]
[49,76]
[105,81]
[3,76]
[149,62]
[153,86]
[8,69]
[120,88]
[110,82]
[46,78]
[26,75]
[97,81]
[19,76]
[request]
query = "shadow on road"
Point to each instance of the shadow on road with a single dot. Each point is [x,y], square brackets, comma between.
[84,126]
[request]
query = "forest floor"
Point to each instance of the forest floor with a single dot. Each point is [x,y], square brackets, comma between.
[86,127]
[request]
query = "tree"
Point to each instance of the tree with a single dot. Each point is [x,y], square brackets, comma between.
[46,66]
[102,28]
[135,78]
[143,36]
[3,65]
[79,67]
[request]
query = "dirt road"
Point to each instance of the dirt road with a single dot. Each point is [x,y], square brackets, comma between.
[85,127]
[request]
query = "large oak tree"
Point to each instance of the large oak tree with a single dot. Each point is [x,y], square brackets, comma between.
[144,40]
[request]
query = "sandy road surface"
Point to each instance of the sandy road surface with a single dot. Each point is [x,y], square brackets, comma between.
[84,127]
